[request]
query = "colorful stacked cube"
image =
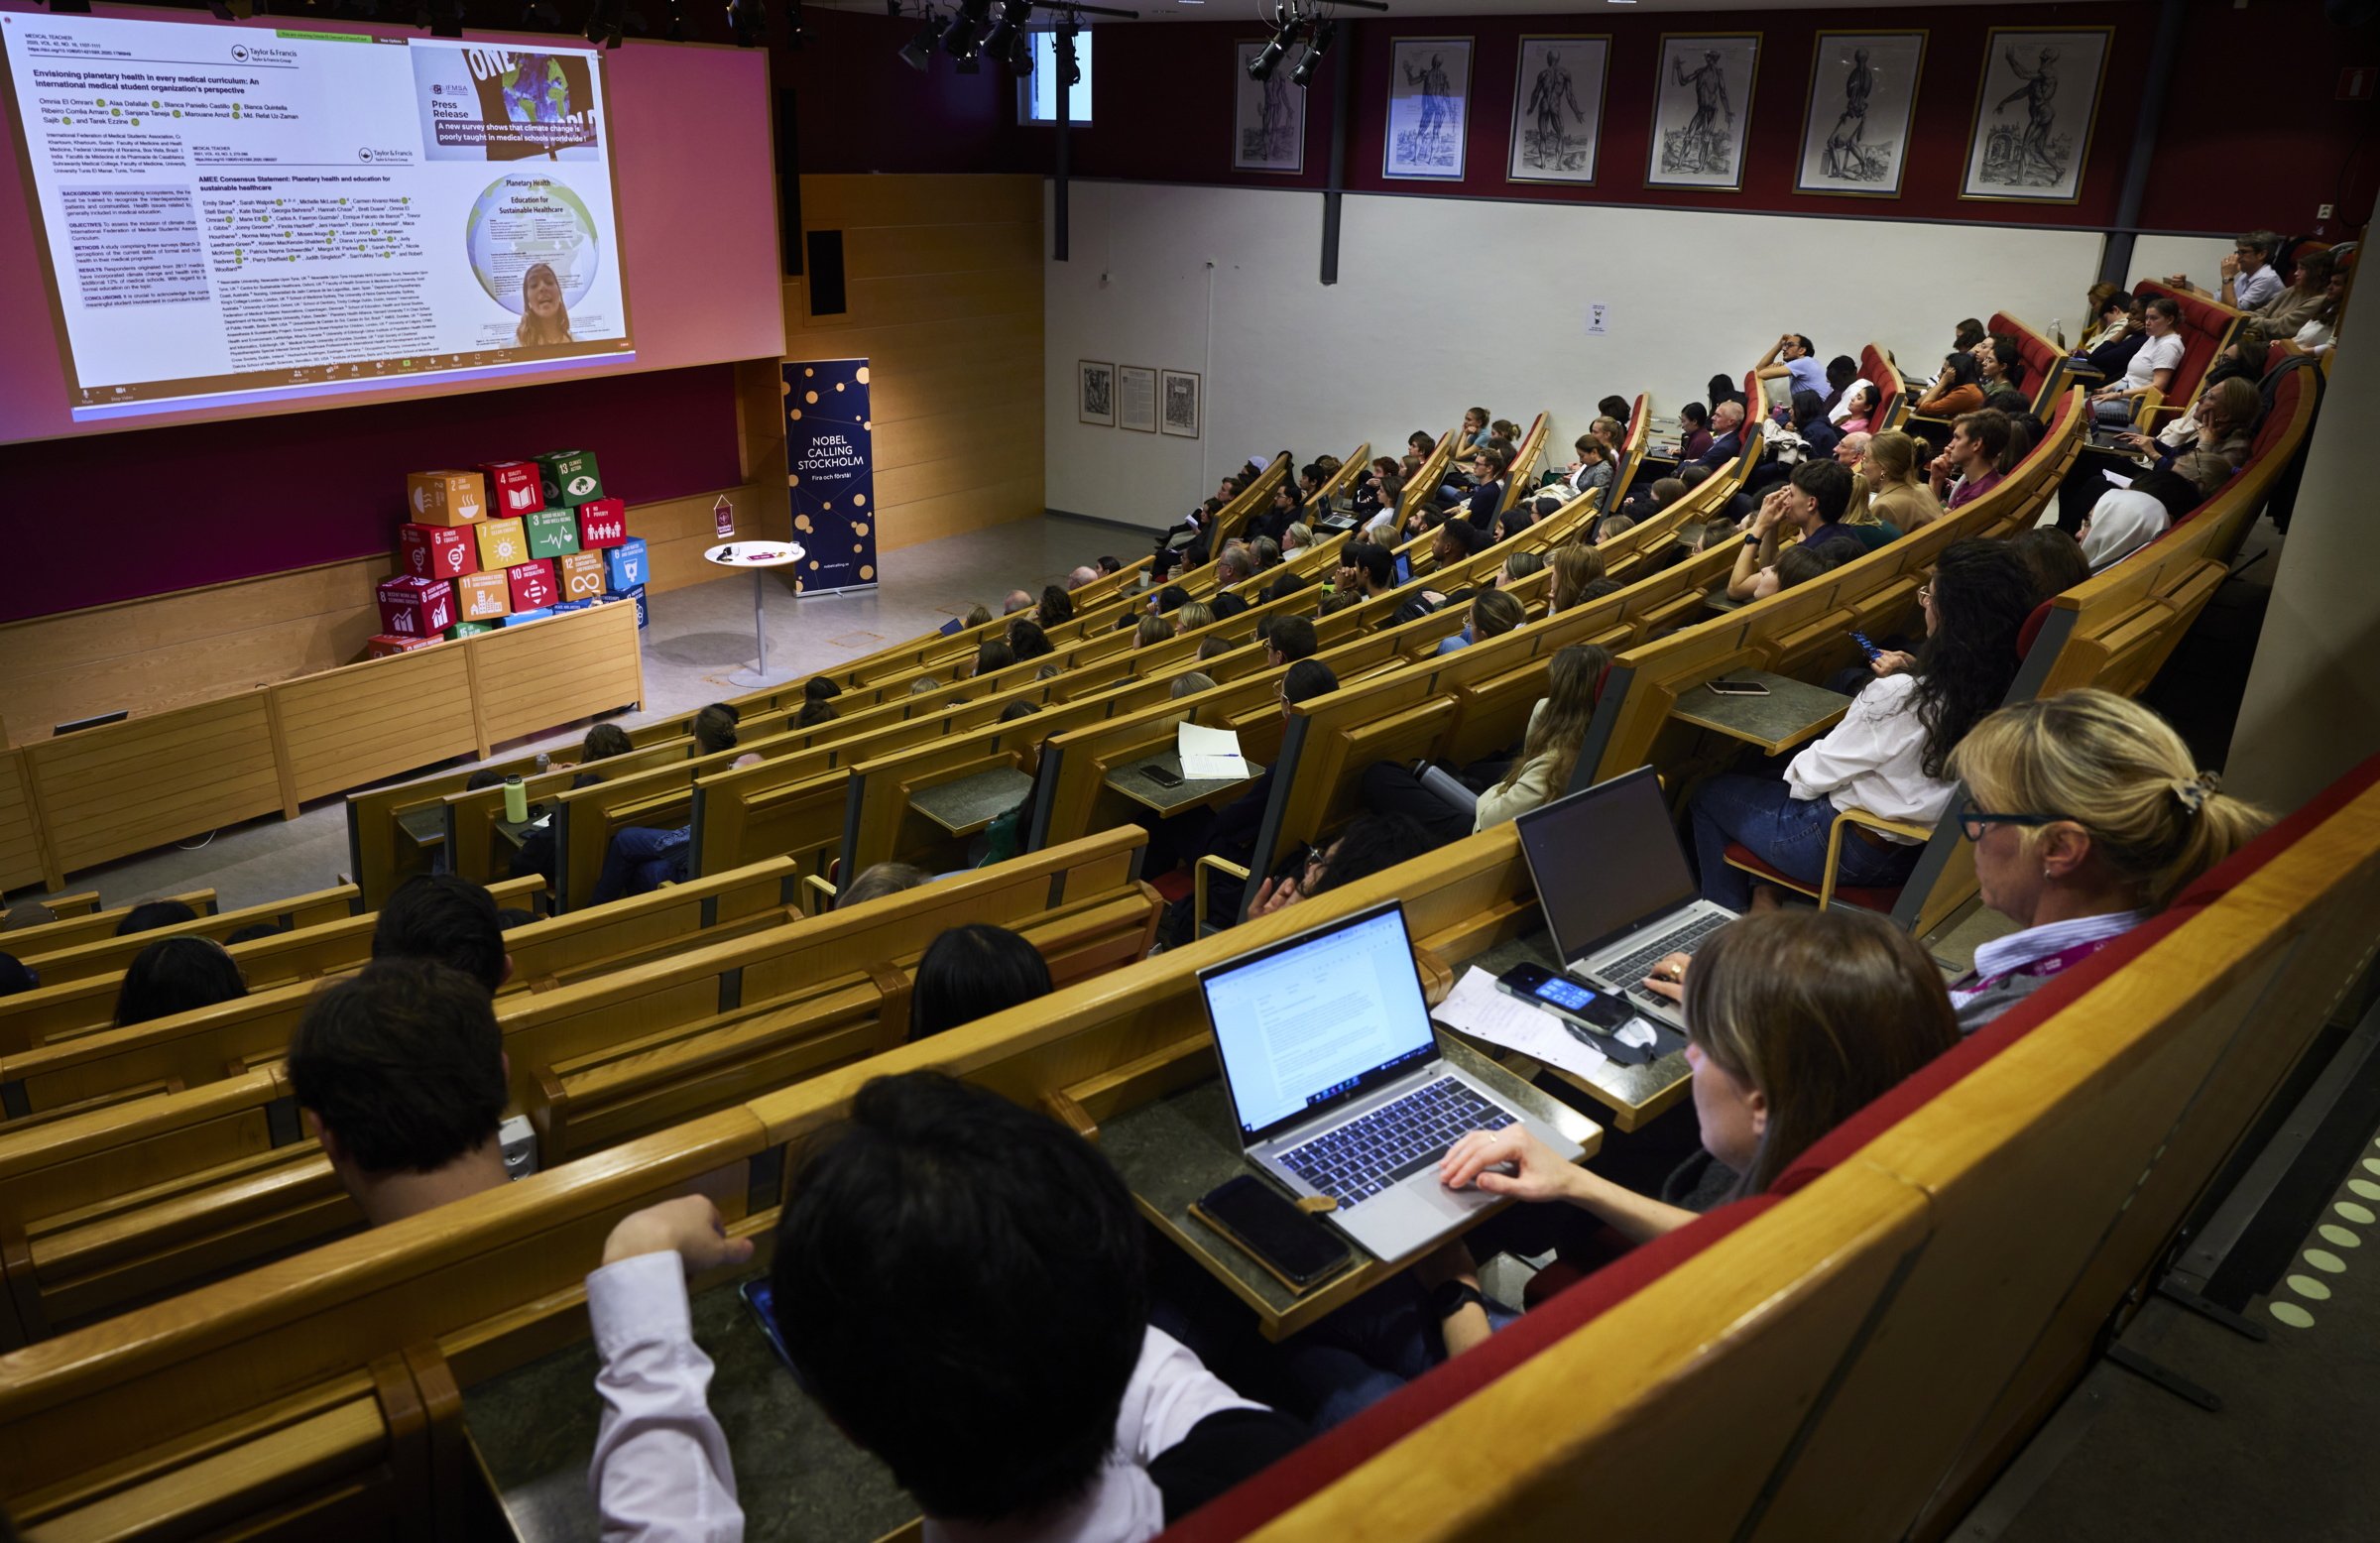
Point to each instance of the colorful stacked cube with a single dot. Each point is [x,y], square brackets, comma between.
[505,543]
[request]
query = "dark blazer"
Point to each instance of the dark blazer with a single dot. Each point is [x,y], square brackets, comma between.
[1724,448]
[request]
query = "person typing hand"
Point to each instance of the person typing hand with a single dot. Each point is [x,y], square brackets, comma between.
[1668,977]
[1537,1172]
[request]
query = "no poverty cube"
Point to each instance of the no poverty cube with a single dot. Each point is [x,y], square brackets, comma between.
[581,575]
[513,488]
[437,550]
[601,522]
[415,607]
[568,478]
[624,565]
[534,586]
[484,597]
[448,498]
[552,532]
[502,543]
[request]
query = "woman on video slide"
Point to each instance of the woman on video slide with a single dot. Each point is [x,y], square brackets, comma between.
[543,320]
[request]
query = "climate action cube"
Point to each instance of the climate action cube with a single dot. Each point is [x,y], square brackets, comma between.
[518,618]
[414,607]
[502,543]
[601,522]
[513,488]
[637,595]
[625,568]
[382,646]
[534,587]
[581,574]
[484,597]
[568,478]
[437,550]
[471,629]
[552,532]
[447,498]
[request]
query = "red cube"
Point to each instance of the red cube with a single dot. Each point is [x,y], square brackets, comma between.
[601,522]
[534,586]
[437,550]
[514,488]
[382,646]
[415,607]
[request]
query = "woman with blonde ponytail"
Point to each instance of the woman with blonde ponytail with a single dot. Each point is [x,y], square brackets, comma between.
[2089,816]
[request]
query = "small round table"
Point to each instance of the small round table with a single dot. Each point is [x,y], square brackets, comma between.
[757,556]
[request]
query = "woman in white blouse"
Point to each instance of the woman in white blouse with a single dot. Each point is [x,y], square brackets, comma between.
[2154,364]
[1890,755]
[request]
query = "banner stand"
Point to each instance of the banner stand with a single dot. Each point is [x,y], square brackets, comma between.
[830,474]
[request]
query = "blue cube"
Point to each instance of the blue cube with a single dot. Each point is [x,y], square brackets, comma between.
[561,606]
[518,616]
[624,566]
[644,616]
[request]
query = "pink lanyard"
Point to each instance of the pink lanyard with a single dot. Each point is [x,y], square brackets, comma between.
[2045,965]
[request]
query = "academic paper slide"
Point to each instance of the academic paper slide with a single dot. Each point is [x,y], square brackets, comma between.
[235,214]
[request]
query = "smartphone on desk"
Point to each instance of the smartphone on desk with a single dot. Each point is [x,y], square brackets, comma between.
[1285,1239]
[1591,1016]
[1736,687]
[1162,777]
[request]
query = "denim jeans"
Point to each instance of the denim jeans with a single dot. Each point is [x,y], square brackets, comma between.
[1364,1352]
[642,858]
[1787,833]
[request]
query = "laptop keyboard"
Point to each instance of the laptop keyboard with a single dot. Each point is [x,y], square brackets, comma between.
[1360,1158]
[1627,973]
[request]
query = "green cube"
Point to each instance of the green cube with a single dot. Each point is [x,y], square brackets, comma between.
[570,478]
[552,532]
[469,629]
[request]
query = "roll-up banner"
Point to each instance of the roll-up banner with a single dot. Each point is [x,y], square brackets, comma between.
[830,474]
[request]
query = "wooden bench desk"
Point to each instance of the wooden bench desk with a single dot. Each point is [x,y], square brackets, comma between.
[424,824]
[1793,710]
[967,804]
[1132,780]
[1634,1094]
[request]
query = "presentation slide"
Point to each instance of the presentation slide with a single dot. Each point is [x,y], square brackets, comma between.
[238,216]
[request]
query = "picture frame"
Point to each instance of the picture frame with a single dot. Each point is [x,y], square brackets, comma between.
[1558,73]
[1137,398]
[1429,109]
[1181,411]
[1095,392]
[1702,115]
[1863,89]
[1268,120]
[2028,144]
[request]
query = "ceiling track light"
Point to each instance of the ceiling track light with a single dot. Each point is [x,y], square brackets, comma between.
[603,23]
[1318,42]
[1070,67]
[1000,41]
[966,31]
[918,51]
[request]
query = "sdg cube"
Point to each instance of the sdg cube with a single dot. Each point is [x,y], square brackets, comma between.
[552,532]
[625,568]
[520,618]
[471,629]
[382,646]
[534,586]
[437,550]
[601,522]
[568,478]
[415,607]
[513,488]
[581,575]
[484,597]
[447,498]
[502,543]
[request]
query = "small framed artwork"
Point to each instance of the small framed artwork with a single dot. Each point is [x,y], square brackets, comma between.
[1855,129]
[1178,403]
[2034,113]
[1094,390]
[1558,109]
[1136,398]
[1268,130]
[1429,108]
[1702,106]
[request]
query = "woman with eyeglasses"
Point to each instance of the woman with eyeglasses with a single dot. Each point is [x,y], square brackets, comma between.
[2089,816]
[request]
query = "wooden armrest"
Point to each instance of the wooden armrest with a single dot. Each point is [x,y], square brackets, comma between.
[820,888]
[1878,822]
[1198,887]
[1826,887]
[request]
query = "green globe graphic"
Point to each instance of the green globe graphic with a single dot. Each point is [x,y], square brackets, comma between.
[525,218]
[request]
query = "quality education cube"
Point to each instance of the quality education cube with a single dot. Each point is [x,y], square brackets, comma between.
[437,550]
[601,522]
[447,498]
[581,575]
[552,532]
[534,586]
[624,566]
[513,488]
[568,478]
[415,607]
[502,543]
[484,597]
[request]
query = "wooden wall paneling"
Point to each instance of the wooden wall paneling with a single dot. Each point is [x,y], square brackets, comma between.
[128,786]
[676,533]
[21,858]
[375,720]
[556,671]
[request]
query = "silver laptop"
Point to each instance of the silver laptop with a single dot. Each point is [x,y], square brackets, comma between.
[1336,1084]
[1615,887]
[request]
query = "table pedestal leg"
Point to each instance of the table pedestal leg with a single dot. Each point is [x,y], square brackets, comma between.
[757,676]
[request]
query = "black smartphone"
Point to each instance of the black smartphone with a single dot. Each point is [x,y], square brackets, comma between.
[1866,647]
[1259,1219]
[1566,999]
[756,1297]
[1736,687]
[1163,777]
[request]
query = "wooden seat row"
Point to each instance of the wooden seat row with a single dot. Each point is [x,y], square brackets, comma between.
[79,928]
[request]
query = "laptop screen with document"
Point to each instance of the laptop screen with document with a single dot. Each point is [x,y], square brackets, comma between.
[1606,860]
[1318,1018]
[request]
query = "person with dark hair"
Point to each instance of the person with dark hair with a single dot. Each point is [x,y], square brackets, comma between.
[1615,406]
[1366,568]
[960,1284]
[971,973]
[2246,276]
[2051,560]
[1231,834]
[149,915]
[1722,387]
[1285,584]
[1288,639]
[1890,754]
[819,688]
[1489,464]
[1171,598]
[401,1074]
[881,879]
[993,653]
[17,976]
[1967,334]
[815,712]
[1811,502]
[1016,710]
[177,975]
[714,730]
[1056,606]
[1969,467]
[1492,614]
[2152,364]
[1794,357]
[1110,565]
[1371,844]
[1028,640]
[254,931]
[1958,389]
[1285,510]
[2000,366]
[451,920]
[1842,370]
[1455,541]
[1227,606]
[1693,432]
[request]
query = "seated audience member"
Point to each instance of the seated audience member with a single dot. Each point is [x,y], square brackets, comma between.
[1492,614]
[2320,331]
[1890,488]
[2088,814]
[1015,601]
[1557,730]
[1693,432]
[1487,467]
[1577,566]
[400,1072]
[1285,510]
[447,920]
[1615,406]
[1379,487]
[2052,562]
[2151,366]
[1519,565]
[177,975]
[17,976]
[1890,754]
[1811,502]
[1808,420]
[1110,565]
[1850,450]
[1231,834]
[1227,606]
[1512,521]
[960,1283]
[1193,682]
[1088,573]
[2226,414]
[970,973]
[1291,583]
[1365,569]
[1028,640]
[1288,639]
[1455,541]
[253,933]
[2125,519]
[1297,538]
[2024,432]
[2110,314]
[1269,552]
[1016,710]
[1792,358]
[1371,844]
[1056,606]
[1477,429]
[1192,617]
[2248,278]
[1613,526]
[1842,370]
[1721,388]
[714,728]
[1969,467]
[1957,390]
[1215,647]
[1171,598]
[1151,631]
[1855,413]
[1726,438]
[1795,565]
[880,880]
[1966,335]
[977,615]
[150,915]
[602,742]
[993,653]
[1590,472]
[1664,492]
[1735,513]
[2244,357]
[1999,365]
[923,684]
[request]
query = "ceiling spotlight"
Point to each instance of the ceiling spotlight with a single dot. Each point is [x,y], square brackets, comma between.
[1268,59]
[1317,44]
[918,51]
[677,22]
[747,23]
[603,23]
[795,33]
[1002,34]
[965,28]
[1070,67]
[1020,54]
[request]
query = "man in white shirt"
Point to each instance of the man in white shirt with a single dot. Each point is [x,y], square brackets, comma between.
[2247,276]
[960,1283]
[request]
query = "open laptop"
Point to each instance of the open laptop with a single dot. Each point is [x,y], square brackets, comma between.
[1336,1084]
[1615,887]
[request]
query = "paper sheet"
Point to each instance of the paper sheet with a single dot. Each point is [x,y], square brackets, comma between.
[1210,754]
[2119,481]
[1476,1008]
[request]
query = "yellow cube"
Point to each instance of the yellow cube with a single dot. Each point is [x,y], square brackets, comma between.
[446,498]
[502,544]
[582,575]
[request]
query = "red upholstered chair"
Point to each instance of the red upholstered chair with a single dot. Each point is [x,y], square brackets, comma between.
[2045,361]
[1892,399]
[2207,328]
[2031,631]
[1828,891]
